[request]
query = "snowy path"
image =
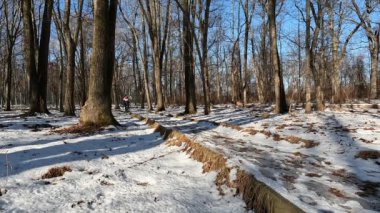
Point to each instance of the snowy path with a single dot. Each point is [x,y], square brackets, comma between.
[324,176]
[115,170]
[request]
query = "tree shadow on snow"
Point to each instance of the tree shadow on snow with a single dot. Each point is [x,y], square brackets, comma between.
[76,149]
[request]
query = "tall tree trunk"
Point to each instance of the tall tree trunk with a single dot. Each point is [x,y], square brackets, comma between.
[38,79]
[43,55]
[71,46]
[8,82]
[29,55]
[83,69]
[281,106]
[246,34]
[203,60]
[373,78]
[188,61]
[69,106]
[336,99]
[97,110]
[145,66]
[308,60]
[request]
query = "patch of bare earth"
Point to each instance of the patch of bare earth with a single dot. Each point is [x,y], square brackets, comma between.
[337,192]
[306,143]
[368,188]
[251,131]
[368,154]
[56,172]
[79,129]
[313,175]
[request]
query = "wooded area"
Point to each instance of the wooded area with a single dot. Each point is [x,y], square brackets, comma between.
[90,54]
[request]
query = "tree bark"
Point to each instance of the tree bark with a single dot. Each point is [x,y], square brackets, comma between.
[373,78]
[71,46]
[97,110]
[336,99]
[188,60]
[145,66]
[204,42]
[308,60]
[37,78]
[280,106]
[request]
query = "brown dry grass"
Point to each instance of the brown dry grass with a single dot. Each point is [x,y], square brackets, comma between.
[251,131]
[282,126]
[309,144]
[306,143]
[266,133]
[56,172]
[313,175]
[232,126]
[368,154]
[340,173]
[277,137]
[337,192]
[293,139]
[79,129]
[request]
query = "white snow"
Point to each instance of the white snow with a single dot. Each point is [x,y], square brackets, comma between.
[123,169]
[324,177]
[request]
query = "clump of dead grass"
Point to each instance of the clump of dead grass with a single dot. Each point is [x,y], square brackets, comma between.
[251,131]
[56,172]
[293,139]
[277,137]
[337,192]
[297,140]
[340,173]
[282,126]
[232,126]
[79,129]
[313,175]
[368,154]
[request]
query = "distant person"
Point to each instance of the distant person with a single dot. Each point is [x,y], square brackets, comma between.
[126,103]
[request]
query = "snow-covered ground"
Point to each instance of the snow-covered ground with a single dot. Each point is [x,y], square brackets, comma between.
[124,169]
[321,161]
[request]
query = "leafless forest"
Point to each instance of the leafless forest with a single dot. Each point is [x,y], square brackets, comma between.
[89,54]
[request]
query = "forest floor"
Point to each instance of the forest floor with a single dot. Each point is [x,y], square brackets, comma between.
[327,161]
[114,169]
[321,162]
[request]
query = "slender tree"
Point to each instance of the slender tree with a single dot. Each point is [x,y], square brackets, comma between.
[308,60]
[12,15]
[248,14]
[151,10]
[373,37]
[280,106]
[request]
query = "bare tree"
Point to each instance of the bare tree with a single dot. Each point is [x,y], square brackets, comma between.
[373,41]
[12,15]
[248,14]
[97,109]
[308,60]
[37,76]
[71,42]
[281,106]
[152,14]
